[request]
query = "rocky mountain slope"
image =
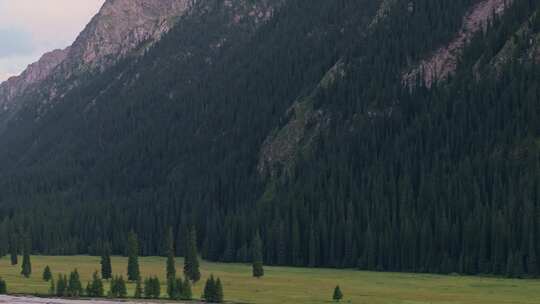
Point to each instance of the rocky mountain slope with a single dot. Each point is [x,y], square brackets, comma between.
[119,29]
[293,118]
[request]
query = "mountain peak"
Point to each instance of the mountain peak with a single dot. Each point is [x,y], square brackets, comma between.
[121,26]
[118,29]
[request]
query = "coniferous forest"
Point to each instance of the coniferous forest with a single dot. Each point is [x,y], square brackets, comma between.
[438,178]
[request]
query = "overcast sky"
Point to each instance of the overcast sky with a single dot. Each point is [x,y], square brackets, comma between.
[29,28]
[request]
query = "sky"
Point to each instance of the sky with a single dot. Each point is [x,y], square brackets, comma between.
[30,28]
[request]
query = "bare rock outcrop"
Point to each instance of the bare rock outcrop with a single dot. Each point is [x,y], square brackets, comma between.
[120,28]
[443,62]
[34,73]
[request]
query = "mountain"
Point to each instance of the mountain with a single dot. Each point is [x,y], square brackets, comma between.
[379,134]
[121,28]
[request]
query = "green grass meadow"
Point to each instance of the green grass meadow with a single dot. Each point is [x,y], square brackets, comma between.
[298,285]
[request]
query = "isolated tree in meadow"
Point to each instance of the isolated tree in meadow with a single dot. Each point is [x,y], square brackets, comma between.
[52,287]
[338,295]
[152,288]
[118,287]
[95,287]
[213,290]
[209,292]
[172,288]
[133,257]
[171,266]
[258,270]
[3,286]
[186,294]
[191,259]
[74,286]
[47,274]
[106,267]
[26,267]
[61,285]
[122,289]
[138,289]
[219,296]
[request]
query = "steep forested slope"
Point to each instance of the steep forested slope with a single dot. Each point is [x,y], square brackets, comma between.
[292,118]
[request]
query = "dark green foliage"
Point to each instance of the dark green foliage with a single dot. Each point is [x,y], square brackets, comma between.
[138,289]
[185,293]
[338,295]
[171,266]
[429,179]
[61,286]
[133,257]
[13,249]
[47,274]
[213,291]
[26,267]
[179,289]
[95,287]
[118,287]
[191,259]
[106,267]
[258,270]
[52,287]
[172,288]
[3,286]
[74,286]
[152,288]
[219,295]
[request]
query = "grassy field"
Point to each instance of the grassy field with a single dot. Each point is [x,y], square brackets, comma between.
[298,285]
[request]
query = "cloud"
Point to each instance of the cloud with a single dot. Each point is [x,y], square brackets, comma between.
[29,28]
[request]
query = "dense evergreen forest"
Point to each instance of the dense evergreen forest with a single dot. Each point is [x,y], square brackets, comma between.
[442,178]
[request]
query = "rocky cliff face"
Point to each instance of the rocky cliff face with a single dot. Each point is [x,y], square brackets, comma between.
[121,27]
[35,73]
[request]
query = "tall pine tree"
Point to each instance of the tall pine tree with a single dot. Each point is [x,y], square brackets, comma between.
[133,257]
[258,270]
[191,260]
[106,267]
[26,268]
[171,267]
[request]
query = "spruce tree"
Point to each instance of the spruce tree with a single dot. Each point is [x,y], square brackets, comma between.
[147,288]
[121,288]
[3,286]
[138,289]
[191,260]
[171,267]
[61,286]
[219,296]
[26,267]
[152,288]
[133,257]
[258,270]
[106,267]
[95,288]
[13,249]
[187,294]
[52,288]
[209,293]
[338,295]
[74,285]
[47,275]
[172,288]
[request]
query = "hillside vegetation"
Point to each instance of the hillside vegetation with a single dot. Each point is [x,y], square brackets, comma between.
[292,118]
